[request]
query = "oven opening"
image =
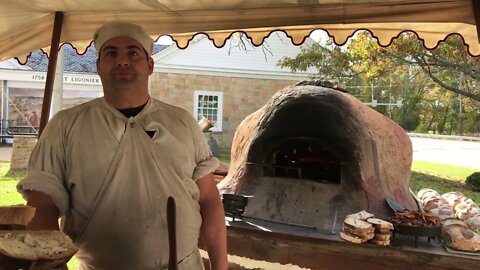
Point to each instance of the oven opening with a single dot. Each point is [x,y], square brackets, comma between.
[304,158]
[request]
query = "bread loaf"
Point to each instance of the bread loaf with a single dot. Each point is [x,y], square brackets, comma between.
[466,209]
[461,237]
[36,245]
[460,232]
[443,212]
[453,198]
[474,223]
[453,221]
[427,194]
[16,214]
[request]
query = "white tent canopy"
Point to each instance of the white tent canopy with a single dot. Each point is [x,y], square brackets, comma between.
[28,25]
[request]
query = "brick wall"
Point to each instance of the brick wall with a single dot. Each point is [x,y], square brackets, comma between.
[241,96]
[22,148]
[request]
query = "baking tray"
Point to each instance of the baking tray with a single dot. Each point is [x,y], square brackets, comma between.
[460,252]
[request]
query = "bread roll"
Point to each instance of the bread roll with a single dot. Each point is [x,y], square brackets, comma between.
[16,214]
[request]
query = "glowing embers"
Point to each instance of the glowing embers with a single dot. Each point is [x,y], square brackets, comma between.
[304,158]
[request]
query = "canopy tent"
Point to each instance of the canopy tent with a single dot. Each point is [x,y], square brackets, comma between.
[30,25]
[27,25]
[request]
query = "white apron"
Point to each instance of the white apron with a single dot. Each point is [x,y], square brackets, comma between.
[127,228]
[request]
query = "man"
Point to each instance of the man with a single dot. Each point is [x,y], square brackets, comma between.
[108,166]
[34,119]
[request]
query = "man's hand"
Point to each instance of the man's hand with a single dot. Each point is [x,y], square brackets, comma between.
[46,212]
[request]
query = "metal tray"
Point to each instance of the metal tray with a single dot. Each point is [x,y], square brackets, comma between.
[418,231]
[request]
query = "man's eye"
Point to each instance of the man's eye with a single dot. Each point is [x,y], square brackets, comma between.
[134,53]
[111,53]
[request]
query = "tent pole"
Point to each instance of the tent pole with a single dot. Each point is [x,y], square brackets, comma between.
[52,63]
[476,12]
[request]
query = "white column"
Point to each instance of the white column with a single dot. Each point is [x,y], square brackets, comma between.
[57,98]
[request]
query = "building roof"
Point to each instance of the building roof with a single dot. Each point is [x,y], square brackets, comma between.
[12,64]
[85,63]
[238,58]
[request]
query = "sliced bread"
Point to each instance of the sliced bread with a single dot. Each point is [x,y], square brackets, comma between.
[382,236]
[380,223]
[351,238]
[16,214]
[362,215]
[36,245]
[357,224]
[364,235]
[380,242]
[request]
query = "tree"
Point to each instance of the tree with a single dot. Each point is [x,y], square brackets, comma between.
[419,76]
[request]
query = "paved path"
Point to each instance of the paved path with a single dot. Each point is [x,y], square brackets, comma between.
[5,153]
[457,153]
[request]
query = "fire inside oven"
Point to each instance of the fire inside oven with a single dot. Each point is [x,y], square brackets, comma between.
[304,158]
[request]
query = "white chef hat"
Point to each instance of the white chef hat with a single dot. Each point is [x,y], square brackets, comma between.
[116,29]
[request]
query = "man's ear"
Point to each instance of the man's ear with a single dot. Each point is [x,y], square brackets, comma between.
[151,64]
[98,60]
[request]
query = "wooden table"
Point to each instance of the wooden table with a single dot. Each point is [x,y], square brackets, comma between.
[307,247]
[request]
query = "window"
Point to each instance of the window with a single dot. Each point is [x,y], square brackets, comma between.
[209,104]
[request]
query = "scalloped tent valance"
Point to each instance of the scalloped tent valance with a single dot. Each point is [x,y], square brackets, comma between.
[28,25]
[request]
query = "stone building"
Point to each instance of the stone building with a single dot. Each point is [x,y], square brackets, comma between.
[222,84]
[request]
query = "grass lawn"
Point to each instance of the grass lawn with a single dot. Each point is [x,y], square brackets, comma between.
[442,178]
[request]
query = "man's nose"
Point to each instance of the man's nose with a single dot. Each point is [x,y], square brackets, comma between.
[122,60]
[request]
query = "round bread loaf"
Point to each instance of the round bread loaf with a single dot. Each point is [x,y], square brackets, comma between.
[460,237]
[453,198]
[427,194]
[36,245]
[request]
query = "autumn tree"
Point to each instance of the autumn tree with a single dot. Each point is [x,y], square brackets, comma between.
[405,70]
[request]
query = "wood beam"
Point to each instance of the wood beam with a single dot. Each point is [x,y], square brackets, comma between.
[476,11]
[52,63]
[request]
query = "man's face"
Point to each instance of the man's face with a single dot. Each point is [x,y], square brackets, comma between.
[123,63]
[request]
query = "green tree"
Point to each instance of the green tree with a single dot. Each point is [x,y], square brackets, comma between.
[404,70]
